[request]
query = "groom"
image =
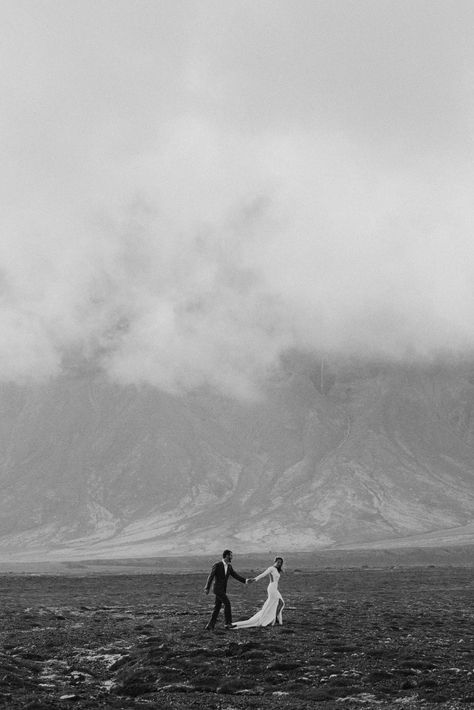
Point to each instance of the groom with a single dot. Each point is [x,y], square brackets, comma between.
[220,573]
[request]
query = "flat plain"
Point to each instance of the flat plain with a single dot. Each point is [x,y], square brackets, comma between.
[385,638]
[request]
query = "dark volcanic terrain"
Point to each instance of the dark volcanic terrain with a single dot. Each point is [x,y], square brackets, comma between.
[351,638]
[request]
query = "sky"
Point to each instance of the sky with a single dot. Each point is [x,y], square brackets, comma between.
[191,188]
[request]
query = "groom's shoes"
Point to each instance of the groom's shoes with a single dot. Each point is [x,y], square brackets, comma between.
[211,628]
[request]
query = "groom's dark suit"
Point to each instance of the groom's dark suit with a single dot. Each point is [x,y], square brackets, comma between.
[220,578]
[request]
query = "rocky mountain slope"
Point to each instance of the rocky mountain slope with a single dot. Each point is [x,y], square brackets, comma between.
[334,454]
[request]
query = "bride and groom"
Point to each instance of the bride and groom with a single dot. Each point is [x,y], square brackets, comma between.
[271,611]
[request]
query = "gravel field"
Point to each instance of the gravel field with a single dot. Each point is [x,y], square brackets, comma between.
[382,638]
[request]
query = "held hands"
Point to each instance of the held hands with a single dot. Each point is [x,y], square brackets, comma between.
[249,580]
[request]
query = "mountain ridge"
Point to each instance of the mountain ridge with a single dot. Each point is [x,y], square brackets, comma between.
[339,454]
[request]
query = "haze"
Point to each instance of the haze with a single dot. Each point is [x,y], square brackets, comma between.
[192,188]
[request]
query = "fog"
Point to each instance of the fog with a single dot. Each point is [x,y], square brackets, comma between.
[192,188]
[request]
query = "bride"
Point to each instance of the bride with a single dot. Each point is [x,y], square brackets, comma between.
[271,611]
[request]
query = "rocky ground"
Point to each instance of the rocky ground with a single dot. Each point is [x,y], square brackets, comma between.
[351,638]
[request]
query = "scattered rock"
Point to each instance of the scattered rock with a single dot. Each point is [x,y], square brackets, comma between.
[235,685]
[283,666]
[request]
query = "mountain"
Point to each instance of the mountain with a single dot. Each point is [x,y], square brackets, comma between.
[334,454]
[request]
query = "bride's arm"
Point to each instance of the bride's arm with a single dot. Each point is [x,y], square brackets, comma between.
[262,574]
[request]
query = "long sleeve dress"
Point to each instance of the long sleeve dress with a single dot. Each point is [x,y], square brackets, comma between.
[266,616]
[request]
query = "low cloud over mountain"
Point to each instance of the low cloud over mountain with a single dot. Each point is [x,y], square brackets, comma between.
[192,189]
[196,197]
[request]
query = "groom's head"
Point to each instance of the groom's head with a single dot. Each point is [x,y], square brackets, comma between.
[227,555]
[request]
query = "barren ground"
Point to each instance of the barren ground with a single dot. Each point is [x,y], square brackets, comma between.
[351,638]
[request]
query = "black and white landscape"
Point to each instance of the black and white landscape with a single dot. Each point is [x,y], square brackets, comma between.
[236,311]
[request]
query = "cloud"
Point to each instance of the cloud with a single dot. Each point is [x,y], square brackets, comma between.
[192,189]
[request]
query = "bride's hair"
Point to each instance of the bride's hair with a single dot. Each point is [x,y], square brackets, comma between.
[278,558]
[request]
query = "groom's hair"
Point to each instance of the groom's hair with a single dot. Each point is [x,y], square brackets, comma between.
[226,552]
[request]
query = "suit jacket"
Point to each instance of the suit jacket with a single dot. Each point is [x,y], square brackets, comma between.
[220,577]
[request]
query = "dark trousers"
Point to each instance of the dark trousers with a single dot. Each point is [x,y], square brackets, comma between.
[221,599]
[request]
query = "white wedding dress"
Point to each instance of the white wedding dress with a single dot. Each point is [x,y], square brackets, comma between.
[267,614]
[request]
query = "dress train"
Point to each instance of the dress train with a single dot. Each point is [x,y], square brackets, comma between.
[267,615]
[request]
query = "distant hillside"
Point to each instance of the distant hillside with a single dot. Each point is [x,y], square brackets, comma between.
[335,454]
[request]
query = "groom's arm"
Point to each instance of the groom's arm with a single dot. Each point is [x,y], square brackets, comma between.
[210,578]
[236,575]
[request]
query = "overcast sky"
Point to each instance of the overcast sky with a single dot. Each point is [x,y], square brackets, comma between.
[190,188]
